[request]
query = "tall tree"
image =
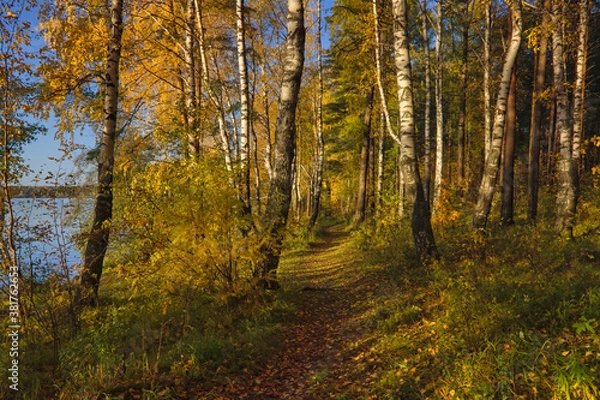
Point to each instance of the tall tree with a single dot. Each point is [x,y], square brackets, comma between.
[278,204]
[508,159]
[97,242]
[439,107]
[488,181]
[319,141]
[379,71]
[462,93]
[535,126]
[565,199]
[487,68]
[418,206]
[17,90]
[380,163]
[427,116]
[579,87]
[244,141]
[189,82]
[361,198]
[224,137]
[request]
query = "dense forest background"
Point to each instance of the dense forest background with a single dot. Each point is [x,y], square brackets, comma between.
[447,150]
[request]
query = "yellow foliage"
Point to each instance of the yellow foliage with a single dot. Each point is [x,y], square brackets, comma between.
[444,214]
[184,227]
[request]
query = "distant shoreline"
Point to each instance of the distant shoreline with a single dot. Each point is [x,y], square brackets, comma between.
[17,192]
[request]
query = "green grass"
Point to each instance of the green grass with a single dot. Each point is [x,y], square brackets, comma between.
[510,315]
[150,344]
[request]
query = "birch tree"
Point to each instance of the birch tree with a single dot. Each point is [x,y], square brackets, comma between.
[224,137]
[379,71]
[439,107]
[319,141]
[278,204]
[189,82]
[565,199]
[488,181]
[487,67]
[418,207]
[580,76]
[97,241]
[427,116]
[244,141]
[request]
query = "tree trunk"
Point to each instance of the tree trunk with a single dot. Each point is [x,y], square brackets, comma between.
[97,242]
[379,67]
[565,199]
[533,171]
[439,108]
[361,198]
[224,139]
[380,163]
[579,88]
[244,141]
[487,68]
[189,80]
[551,133]
[488,181]
[508,165]
[417,205]
[285,131]
[462,115]
[320,144]
[427,122]
[268,145]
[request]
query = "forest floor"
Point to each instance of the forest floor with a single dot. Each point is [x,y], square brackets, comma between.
[325,351]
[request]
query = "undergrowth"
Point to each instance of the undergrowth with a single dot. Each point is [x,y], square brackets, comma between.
[512,314]
[152,344]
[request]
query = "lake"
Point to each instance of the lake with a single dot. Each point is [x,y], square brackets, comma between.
[45,235]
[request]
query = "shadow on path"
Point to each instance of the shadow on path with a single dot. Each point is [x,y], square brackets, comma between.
[323,354]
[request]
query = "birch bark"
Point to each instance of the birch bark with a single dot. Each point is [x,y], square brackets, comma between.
[244,141]
[417,205]
[439,108]
[565,199]
[278,205]
[488,181]
[427,122]
[98,237]
[320,144]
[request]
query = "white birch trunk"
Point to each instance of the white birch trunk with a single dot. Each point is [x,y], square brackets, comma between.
[98,238]
[189,80]
[223,135]
[580,75]
[277,210]
[244,137]
[380,85]
[417,206]
[320,144]
[427,122]
[380,163]
[488,181]
[565,199]
[439,108]
[487,90]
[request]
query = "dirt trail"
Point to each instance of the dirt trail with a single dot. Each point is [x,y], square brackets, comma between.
[323,354]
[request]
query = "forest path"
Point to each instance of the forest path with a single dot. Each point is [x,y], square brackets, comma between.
[325,350]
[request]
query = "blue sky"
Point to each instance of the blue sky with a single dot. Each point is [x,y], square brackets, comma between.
[45,157]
